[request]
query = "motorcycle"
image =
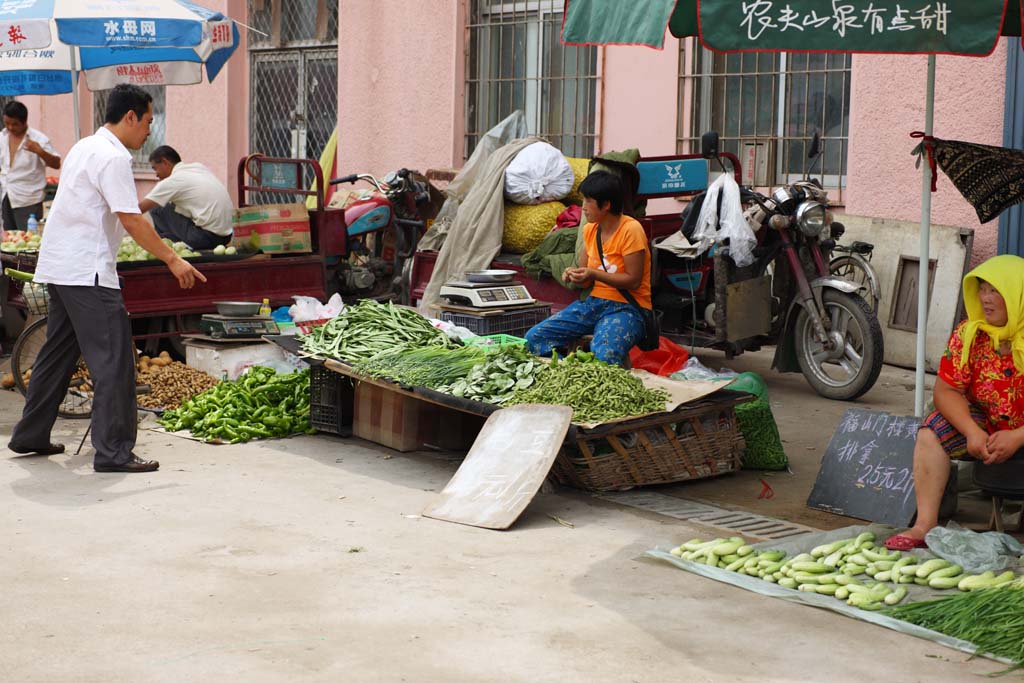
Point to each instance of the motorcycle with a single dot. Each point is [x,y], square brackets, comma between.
[819,323]
[384,225]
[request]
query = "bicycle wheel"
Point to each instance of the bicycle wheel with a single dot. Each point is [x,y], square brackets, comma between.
[855,269]
[77,402]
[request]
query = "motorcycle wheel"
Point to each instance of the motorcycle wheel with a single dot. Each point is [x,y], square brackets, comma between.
[853,367]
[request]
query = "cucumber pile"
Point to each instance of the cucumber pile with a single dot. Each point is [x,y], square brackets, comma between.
[853,569]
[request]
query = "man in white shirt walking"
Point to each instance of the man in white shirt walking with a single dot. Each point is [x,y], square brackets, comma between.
[189,204]
[25,154]
[87,316]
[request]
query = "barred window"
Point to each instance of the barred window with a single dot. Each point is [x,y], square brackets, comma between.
[516,60]
[767,107]
[157,131]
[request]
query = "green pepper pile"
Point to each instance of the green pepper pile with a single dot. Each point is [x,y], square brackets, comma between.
[259,405]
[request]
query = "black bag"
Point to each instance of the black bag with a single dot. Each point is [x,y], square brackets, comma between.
[652,332]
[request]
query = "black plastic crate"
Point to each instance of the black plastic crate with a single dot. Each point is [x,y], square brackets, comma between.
[331,397]
[515,323]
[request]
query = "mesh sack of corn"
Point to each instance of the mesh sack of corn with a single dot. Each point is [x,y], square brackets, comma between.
[527,226]
[580,167]
[764,447]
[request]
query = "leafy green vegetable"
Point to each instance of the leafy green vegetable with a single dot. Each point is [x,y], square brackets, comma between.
[505,370]
[431,366]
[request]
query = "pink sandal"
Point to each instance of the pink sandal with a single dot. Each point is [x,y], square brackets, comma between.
[904,542]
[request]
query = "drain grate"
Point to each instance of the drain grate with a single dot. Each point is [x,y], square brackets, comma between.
[745,523]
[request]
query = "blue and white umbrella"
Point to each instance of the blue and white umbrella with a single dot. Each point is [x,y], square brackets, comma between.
[44,44]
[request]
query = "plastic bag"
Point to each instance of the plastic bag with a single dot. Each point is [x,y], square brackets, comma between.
[307,308]
[453,331]
[975,552]
[714,226]
[664,360]
[694,369]
[538,174]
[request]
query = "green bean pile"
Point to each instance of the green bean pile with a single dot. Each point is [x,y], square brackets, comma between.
[368,328]
[596,391]
[992,619]
[430,366]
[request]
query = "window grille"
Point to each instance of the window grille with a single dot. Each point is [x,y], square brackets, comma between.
[157,130]
[516,60]
[771,103]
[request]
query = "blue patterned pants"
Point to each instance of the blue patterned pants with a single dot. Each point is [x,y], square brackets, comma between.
[616,327]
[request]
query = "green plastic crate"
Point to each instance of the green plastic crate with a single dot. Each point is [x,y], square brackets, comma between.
[496,340]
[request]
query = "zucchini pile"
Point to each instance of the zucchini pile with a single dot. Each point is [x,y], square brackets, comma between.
[853,569]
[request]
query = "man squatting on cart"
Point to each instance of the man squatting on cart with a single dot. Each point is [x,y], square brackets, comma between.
[189,204]
[87,316]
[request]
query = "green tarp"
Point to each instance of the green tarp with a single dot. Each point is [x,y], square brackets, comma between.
[966,27]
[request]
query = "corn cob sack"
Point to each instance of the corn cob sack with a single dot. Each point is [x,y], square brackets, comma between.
[764,449]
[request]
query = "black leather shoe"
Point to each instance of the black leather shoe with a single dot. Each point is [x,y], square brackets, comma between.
[136,464]
[50,449]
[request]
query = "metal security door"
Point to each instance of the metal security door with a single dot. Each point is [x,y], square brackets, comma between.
[294,102]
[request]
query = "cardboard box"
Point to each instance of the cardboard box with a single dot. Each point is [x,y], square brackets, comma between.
[406,423]
[273,228]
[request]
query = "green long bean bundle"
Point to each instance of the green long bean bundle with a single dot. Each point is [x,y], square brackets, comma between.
[596,391]
[992,619]
[368,328]
[430,366]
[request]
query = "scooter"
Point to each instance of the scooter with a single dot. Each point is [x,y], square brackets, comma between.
[819,324]
[384,225]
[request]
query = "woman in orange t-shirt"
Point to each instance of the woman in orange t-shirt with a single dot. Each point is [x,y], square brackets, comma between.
[616,324]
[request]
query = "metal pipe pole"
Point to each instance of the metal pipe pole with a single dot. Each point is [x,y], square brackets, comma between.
[74,94]
[924,269]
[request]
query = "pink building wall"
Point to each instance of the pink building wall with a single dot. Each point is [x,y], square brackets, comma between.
[887,104]
[401,85]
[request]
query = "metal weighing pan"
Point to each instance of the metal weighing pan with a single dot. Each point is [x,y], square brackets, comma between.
[491,276]
[240,309]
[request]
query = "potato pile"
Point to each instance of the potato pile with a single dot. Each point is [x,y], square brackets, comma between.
[170,382]
[80,381]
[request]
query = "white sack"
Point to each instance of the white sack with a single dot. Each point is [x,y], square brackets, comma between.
[538,174]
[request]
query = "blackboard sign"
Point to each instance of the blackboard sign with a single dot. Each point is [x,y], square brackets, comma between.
[868,468]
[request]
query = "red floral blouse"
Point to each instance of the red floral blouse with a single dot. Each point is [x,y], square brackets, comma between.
[989,380]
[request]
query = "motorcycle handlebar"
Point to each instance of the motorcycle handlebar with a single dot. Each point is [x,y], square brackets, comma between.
[344,179]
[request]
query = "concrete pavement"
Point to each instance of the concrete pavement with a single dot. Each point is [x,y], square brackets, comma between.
[306,559]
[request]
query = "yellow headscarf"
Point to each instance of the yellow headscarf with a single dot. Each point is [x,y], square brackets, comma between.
[1006,274]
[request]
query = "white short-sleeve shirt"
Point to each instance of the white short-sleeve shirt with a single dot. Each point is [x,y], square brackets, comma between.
[24,177]
[82,232]
[198,195]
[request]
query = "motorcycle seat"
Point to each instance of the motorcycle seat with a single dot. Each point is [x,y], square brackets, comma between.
[862,247]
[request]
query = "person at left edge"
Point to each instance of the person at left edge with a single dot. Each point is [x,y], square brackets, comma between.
[25,154]
[87,317]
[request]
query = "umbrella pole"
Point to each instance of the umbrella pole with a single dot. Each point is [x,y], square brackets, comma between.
[74,94]
[924,269]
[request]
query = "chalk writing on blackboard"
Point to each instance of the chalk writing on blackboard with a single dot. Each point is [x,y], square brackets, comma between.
[867,470]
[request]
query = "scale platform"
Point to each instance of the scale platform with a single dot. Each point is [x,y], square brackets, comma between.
[487,294]
[232,327]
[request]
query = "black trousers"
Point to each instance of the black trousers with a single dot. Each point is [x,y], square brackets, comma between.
[91,322]
[17,219]
[172,225]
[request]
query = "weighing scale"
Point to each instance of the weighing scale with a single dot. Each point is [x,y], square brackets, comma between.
[237,327]
[487,294]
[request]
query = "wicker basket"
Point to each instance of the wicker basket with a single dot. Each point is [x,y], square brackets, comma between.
[693,442]
[37,298]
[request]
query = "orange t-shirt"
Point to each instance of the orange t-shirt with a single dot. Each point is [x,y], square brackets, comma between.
[629,238]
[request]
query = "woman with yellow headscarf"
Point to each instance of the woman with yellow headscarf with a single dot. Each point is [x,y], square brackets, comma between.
[979,393]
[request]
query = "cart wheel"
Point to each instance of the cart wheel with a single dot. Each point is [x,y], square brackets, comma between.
[78,401]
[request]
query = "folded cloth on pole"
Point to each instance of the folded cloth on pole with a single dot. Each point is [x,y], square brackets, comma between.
[990,178]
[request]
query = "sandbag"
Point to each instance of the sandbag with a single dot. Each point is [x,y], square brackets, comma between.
[539,173]
[527,226]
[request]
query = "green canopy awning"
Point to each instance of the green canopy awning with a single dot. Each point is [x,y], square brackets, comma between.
[961,27]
